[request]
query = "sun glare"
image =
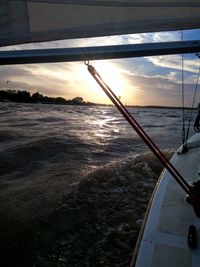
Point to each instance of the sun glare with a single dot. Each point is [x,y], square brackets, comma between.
[73,79]
[111,76]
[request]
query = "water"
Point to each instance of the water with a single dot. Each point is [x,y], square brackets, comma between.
[34,137]
[70,176]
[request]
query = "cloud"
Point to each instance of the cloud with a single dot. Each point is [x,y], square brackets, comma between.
[143,82]
[175,62]
[157,77]
[47,79]
[98,41]
[159,90]
[174,65]
[166,36]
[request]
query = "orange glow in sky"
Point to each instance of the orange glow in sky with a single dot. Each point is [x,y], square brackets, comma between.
[138,81]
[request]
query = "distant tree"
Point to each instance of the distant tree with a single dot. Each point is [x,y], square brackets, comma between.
[60,100]
[46,99]
[4,95]
[77,100]
[23,96]
[10,91]
[37,97]
[13,95]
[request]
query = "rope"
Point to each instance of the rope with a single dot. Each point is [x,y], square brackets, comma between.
[135,125]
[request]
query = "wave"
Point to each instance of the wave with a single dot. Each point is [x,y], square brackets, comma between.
[58,206]
[94,217]
[50,119]
[104,211]
[154,126]
[28,156]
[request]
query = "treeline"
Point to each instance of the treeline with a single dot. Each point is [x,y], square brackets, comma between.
[26,97]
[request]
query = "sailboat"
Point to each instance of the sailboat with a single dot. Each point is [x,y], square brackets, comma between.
[170,235]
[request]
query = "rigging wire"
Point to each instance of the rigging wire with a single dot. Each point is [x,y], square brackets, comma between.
[185,133]
[197,121]
[193,101]
[183,98]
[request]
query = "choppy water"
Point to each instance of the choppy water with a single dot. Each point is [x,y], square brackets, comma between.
[70,176]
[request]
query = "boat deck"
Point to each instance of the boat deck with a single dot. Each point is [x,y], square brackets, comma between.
[164,242]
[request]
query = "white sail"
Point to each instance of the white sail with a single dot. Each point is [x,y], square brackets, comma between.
[28,21]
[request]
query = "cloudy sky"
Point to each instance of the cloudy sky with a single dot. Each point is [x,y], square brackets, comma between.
[139,81]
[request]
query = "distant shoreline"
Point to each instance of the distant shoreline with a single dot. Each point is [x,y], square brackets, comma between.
[158,107]
[98,104]
[19,96]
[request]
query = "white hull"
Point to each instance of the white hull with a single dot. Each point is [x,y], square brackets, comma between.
[164,240]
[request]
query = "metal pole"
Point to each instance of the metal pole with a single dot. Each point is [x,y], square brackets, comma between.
[97,52]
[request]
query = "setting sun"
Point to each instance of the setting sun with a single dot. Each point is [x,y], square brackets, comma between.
[111,75]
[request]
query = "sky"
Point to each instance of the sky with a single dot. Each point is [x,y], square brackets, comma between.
[138,81]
